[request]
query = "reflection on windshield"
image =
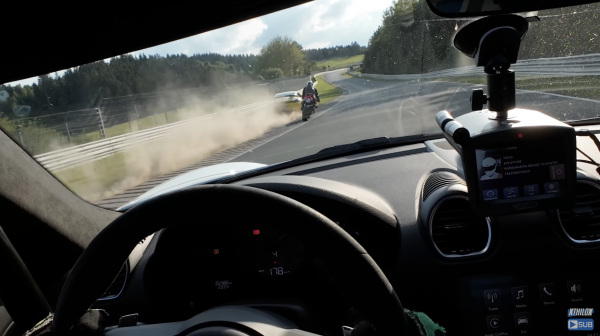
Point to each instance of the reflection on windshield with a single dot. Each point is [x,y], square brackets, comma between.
[112,127]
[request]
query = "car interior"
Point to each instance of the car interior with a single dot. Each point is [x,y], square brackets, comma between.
[488,227]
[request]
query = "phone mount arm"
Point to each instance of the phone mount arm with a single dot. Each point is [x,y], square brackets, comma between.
[494,43]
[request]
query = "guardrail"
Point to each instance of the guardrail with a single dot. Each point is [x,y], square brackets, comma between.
[96,150]
[583,65]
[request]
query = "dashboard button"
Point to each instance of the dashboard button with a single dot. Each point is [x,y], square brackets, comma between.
[557,172]
[548,293]
[492,298]
[511,192]
[575,290]
[531,190]
[523,321]
[551,187]
[495,323]
[491,194]
[520,296]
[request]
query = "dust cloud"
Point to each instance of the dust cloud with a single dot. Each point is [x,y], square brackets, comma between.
[212,127]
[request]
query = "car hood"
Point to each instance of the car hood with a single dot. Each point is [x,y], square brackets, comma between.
[195,177]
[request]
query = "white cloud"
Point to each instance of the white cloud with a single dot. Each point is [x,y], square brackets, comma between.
[316,24]
[360,9]
[235,39]
[245,35]
[317,45]
[342,21]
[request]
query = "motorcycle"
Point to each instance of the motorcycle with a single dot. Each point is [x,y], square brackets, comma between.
[310,104]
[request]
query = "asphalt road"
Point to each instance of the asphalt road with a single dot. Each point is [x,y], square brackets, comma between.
[372,108]
[368,109]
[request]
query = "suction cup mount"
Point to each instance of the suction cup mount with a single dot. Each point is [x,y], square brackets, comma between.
[494,43]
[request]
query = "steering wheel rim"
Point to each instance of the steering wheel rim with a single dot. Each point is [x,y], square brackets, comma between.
[348,263]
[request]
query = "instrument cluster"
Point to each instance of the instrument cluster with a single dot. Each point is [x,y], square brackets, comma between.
[224,262]
[228,262]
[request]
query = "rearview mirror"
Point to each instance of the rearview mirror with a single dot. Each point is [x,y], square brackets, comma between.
[469,8]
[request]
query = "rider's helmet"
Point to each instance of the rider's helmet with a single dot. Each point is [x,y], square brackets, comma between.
[309,83]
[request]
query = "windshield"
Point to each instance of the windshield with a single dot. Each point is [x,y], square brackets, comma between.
[277,88]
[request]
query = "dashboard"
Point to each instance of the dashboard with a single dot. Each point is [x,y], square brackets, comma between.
[408,207]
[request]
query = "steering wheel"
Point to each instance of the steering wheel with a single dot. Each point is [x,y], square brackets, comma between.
[354,272]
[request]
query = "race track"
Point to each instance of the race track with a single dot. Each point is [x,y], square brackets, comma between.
[368,109]
[375,108]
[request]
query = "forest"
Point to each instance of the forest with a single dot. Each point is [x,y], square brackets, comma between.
[87,86]
[411,39]
[322,54]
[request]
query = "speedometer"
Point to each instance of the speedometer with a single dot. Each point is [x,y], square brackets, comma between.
[277,254]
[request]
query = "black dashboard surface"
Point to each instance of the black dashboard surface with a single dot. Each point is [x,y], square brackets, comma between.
[379,196]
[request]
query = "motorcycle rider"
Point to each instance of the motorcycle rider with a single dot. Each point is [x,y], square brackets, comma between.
[309,89]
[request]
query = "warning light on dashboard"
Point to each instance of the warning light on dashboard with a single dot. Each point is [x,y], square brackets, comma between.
[256,232]
[216,251]
[520,135]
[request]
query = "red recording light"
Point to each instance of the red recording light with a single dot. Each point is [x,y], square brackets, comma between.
[520,135]
[256,232]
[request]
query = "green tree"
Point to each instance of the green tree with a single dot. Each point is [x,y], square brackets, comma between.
[271,73]
[282,53]
[411,39]
[320,54]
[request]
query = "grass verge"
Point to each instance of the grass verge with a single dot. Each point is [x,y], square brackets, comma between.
[338,62]
[93,176]
[327,91]
[38,138]
[573,86]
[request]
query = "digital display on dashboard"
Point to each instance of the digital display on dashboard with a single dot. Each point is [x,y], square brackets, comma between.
[521,172]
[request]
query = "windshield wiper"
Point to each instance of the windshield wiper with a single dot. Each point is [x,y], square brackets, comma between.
[371,144]
[336,151]
[581,122]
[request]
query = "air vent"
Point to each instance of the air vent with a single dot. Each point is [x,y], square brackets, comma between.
[581,223]
[438,180]
[117,286]
[457,231]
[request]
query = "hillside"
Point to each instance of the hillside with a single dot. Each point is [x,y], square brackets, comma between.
[340,62]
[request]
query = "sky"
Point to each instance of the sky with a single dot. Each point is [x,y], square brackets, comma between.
[321,23]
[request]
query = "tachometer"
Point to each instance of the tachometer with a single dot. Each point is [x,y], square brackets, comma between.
[218,266]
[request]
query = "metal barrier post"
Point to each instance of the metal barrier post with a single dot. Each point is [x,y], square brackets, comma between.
[137,121]
[68,134]
[20,135]
[102,129]
[67,127]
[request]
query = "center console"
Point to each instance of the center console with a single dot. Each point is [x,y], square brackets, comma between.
[536,304]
